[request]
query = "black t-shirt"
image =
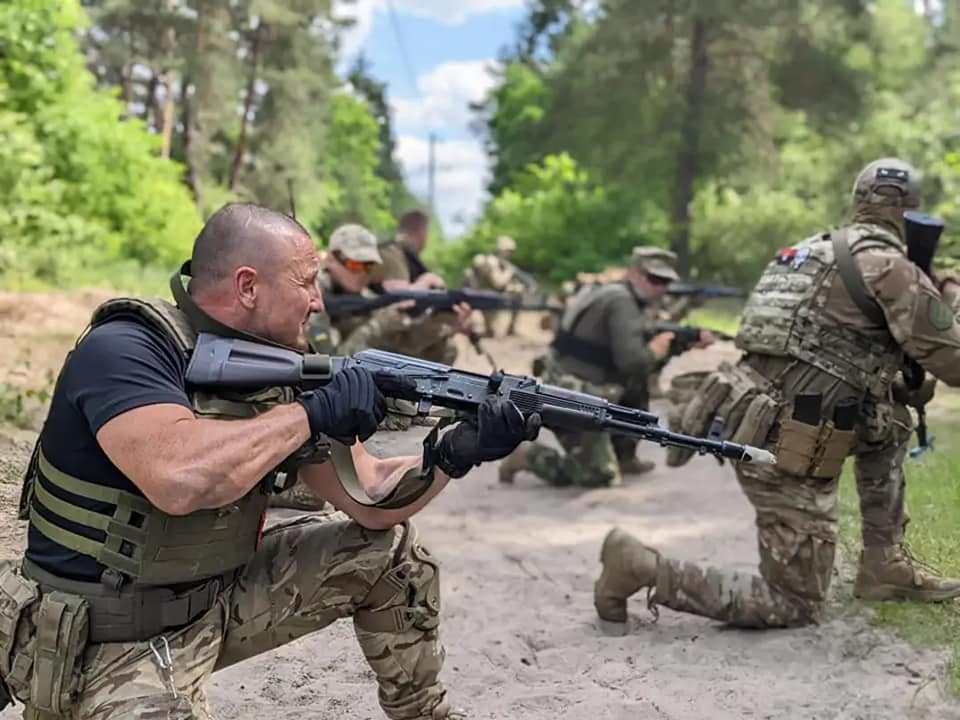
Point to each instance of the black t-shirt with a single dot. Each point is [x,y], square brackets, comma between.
[120,365]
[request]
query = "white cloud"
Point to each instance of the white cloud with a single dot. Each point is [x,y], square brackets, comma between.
[460,177]
[445,96]
[454,12]
[450,12]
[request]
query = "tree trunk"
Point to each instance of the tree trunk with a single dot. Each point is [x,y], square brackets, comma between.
[166,129]
[186,118]
[688,159]
[151,104]
[188,115]
[247,105]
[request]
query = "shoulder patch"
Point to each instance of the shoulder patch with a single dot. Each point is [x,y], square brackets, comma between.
[941,316]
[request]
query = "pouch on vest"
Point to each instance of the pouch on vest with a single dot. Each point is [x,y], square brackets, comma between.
[808,446]
[734,394]
[61,639]
[18,595]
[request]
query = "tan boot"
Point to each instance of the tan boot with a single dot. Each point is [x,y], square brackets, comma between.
[628,565]
[636,466]
[892,573]
[514,463]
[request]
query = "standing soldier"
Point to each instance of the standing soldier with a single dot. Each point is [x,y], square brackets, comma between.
[606,345]
[497,272]
[824,334]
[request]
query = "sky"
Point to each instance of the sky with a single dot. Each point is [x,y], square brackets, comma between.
[436,57]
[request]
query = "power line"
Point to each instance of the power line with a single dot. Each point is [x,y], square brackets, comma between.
[401,45]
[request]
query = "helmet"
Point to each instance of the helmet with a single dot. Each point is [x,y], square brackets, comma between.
[887,182]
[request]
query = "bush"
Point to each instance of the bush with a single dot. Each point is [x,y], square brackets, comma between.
[80,186]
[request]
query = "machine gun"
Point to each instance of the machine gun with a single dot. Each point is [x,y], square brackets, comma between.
[342,305]
[233,363]
[923,235]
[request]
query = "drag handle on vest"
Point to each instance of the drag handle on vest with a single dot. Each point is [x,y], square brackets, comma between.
[923,235]
[230,362]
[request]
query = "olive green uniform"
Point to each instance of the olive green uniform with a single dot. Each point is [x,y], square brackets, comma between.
[612,319]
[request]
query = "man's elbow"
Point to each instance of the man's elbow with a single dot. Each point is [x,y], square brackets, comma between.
[175,491]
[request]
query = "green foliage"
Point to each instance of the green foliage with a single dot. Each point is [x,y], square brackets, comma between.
[79,187]
[798,97]
[358,194]
[555,211]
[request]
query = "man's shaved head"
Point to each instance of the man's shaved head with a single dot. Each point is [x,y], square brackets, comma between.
[240,234]
[255,270]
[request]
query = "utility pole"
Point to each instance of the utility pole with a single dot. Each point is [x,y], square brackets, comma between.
[431,172]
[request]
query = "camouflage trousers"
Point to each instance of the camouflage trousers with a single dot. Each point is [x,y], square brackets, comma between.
[589,458]
[878,466]
[589,461]
[797,533]
[307,573]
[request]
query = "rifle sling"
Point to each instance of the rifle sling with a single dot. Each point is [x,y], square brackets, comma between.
[853,278]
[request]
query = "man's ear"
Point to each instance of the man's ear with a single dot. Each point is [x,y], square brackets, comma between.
[246,286]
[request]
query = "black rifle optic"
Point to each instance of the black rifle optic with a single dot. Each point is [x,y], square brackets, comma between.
[343,304]
[234,363]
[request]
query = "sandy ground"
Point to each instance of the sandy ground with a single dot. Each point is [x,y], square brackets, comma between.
[518,623]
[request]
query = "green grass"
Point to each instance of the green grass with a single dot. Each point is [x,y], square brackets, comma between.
[124,276]
[933,502]
[718,315]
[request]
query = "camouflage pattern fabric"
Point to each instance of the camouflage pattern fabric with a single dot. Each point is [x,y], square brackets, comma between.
[796,538]
[878,467]
[589,459]
[307,573]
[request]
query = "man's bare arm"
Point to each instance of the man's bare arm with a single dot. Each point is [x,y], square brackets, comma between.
[378,478]
[182,463]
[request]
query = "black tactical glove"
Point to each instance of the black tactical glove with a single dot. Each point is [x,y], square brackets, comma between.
[348,408]
[495,433]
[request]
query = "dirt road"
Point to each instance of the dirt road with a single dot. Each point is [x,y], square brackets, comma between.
[521,634]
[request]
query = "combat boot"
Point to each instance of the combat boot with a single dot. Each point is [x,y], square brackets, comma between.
[635,466]
[892,573]
[514,463]
[628,565]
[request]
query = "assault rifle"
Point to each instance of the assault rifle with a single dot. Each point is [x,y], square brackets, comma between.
[685,336]
[234,363]
[342,305]
[923,235]
[704,291]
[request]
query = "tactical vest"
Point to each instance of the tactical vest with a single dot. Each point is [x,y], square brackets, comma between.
[784,316]
[568,342]
[142,545]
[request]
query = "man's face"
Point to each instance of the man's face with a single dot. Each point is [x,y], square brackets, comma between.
[288,296]
[652,286]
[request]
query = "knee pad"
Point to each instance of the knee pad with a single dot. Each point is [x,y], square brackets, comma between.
[408,594]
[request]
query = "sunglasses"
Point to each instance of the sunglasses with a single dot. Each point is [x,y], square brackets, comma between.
[357,266]
[659,281]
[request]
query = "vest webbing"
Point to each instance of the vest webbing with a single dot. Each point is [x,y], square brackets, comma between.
[568,343]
